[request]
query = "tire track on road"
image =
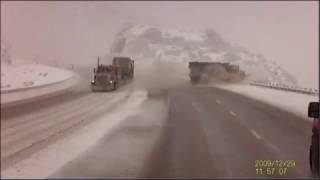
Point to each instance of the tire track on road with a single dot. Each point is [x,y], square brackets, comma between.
[50,127]
[10,126]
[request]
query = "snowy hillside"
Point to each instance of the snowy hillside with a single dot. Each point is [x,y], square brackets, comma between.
[17,76]
[161,44]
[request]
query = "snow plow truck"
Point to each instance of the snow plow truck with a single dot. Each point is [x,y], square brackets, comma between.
[109,77]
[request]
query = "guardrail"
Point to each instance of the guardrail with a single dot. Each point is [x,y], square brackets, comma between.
[284,87]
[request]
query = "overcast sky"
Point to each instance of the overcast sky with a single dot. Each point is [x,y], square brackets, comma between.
[285,32]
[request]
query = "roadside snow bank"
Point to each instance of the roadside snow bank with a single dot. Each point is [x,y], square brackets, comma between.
[26,82]
[289,101]
[32,94]
[22,76]
[45,162]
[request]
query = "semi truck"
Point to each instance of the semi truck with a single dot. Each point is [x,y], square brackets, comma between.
[204,72]
[109,77]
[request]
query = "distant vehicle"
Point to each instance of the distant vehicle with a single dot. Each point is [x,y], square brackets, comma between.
[125,67]
[313,112]
[204,72]
[109,77]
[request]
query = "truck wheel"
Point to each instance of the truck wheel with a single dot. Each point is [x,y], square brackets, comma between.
[115,86]
[314,156]
[310,157]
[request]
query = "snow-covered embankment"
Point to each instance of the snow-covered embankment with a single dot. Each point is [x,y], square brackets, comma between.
[26,82]
[290,101]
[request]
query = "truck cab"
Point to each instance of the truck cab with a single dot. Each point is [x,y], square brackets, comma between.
[109,77]
[105,78]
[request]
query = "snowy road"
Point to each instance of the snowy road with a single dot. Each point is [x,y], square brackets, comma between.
[205,133]
[178,131]
[38,137]
[218,134]
[28,128]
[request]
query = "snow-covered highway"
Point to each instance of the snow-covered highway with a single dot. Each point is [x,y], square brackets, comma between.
[205,133]
[29,128]
[156,126]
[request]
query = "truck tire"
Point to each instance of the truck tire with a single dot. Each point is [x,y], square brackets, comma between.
[92,89]
[115,86]
[314,155]
[131,75]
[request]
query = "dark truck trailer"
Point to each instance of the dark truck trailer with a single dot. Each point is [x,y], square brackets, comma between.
[197,70]
[204,72]
[125,66]
[109,77]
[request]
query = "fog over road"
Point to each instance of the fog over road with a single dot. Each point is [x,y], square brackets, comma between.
[179,131]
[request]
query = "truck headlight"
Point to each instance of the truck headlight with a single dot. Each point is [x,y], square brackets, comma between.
[111,81]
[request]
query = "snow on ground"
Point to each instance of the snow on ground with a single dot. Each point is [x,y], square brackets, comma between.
[289,101]
[187,35]
[19,76]
[156,43]
[45,162]
[30,94]
[137,30]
